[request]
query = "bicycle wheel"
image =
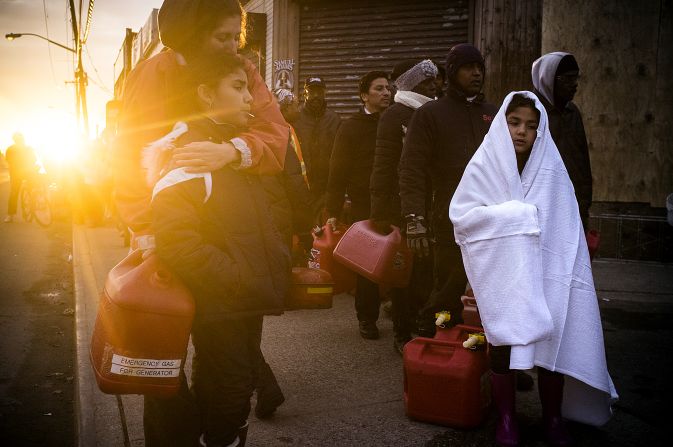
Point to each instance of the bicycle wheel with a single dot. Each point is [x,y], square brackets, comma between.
[25,198]
[41,207]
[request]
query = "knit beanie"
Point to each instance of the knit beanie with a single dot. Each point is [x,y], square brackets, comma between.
[418,73]
[462,54]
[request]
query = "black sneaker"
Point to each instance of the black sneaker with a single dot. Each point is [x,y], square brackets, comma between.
[368,330]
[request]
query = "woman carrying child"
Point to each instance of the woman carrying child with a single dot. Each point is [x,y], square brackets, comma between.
[517,222]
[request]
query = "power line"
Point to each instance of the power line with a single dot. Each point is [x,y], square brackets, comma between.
[89,17]
[46,27]
[100,83]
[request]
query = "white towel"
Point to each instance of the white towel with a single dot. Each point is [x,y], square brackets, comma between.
[526,258]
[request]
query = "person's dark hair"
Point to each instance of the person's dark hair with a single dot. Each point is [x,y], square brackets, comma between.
[208,71]
[522,101]
[368,78]
[182,23]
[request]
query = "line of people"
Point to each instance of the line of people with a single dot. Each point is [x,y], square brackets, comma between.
[231,182]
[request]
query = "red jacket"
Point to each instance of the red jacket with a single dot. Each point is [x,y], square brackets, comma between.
[149,111]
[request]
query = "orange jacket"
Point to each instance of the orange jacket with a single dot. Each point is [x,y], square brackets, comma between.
[149,111]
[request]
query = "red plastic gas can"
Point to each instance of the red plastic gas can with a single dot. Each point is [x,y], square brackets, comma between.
[324,241]
[470,311]
[384,259]
[445,383]
[139,342]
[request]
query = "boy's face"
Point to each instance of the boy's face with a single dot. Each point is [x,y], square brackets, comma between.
[522,123]
[231,99]
[377,99]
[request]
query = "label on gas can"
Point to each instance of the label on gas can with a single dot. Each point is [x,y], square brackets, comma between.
[128,366]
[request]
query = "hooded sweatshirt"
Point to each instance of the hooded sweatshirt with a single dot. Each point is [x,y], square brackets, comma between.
[567,130]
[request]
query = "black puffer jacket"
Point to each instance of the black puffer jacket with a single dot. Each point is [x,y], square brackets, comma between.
[289,198]
[384,184]
[441,139]
[228,250]
[351,165]
[316,135]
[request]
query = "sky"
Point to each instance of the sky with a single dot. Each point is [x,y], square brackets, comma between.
[34,96]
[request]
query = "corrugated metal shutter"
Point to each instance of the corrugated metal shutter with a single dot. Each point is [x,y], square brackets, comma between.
[341,41]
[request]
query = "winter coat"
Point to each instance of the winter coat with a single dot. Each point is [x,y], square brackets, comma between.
[151,104]
[228,249]
[289,198]
[316,136]
[441,138]
[351,165]
[384,183]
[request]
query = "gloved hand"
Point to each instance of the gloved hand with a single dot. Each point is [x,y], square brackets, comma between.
[417,235]
[382,226]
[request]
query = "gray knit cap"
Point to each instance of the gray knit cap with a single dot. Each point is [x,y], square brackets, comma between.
[423,70]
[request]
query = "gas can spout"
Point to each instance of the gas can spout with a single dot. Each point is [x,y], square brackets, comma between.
[442,317]
[474,340]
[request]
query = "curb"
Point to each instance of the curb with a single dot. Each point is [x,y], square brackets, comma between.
[85,283]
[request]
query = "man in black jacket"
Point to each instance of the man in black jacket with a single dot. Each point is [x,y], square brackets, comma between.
[316,128]
[555,79]
[416,85]
[442,137]
[350,171]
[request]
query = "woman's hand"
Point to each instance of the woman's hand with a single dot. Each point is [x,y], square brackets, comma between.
[205,156]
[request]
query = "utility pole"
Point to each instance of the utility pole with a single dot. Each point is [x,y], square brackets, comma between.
[80,75]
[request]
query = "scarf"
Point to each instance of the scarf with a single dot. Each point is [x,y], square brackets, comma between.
[411,99]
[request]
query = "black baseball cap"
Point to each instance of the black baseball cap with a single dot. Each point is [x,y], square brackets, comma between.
[314,81]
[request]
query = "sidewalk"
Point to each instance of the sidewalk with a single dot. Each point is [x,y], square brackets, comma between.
[340,389]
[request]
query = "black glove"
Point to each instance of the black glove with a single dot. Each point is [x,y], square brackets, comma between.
[382,226]
[417,235]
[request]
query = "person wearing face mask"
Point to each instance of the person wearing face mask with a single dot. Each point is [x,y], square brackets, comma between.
[555,78]
[415,83]
[316,126]
[441,138]
[350,170]
[152,98]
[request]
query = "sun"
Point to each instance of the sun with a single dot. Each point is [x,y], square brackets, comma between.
[54,136]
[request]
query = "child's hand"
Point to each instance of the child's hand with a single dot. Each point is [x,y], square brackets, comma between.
[205,156]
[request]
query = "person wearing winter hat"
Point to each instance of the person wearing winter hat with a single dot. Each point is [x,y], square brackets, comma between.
[415,85]
[152,104]
[441,137]
[555,77]
[153,101]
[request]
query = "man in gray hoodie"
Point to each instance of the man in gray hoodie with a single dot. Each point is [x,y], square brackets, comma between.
[555,77]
